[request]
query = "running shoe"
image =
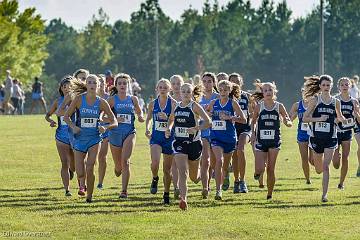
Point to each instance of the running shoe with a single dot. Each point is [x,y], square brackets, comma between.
[236,187]
[123,194]
[257,176]
[205,194]
[183,204]
[268,197]
[166,198]
[324,199]
[308,182]
[100,186]
[88,200]
[243,187]
[218,195]
[261,185]
[341,186]
[68,193]
[82,191]
[154,185]
[226,183]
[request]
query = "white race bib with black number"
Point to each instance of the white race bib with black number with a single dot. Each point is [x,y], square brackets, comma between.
[304,126]
[267,134]
[62,122]
[349,123]
[88,122]
[218,125]
[181,132]
[322,127]
[126,118]
[161,126]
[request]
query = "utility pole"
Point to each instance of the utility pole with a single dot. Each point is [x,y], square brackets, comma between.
[321,45]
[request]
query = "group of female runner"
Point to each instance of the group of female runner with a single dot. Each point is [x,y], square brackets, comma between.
[201,131]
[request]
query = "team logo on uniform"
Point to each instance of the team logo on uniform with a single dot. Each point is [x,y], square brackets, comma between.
[179,148]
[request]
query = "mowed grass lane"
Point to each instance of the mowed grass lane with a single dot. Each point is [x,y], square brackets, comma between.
[32,198]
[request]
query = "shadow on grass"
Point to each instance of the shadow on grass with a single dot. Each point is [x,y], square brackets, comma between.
[29,189]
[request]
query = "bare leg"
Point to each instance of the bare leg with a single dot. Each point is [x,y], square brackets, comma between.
[270,169]
[63,150]
[304,149]
[345,160]
[183,168]
[328,156]
[104,147]
[90,176]
[127,149]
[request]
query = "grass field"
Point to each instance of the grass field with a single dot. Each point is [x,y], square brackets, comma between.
[32,198]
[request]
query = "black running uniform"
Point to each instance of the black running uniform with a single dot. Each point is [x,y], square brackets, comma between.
[323,134]
[185,143]
[344,131]
[268,128]
[244,128]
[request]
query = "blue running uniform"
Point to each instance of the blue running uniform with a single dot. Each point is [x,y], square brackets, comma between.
[205,103]
[124,109]
[88,121]
[62,131]
[159,127]
[303,128]
[223,132]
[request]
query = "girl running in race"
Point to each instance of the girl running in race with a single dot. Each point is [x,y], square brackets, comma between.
[266,135]
[297,111]
[81,74]
[207,156]
[159,111]
[187,144]
[350,110]
[243,132]
[62,136]
[176,82]
[86,129]
[321,113]
[122,138]
[104,146]
[224,111]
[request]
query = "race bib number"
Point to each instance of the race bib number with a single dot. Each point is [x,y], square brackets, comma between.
[304,126]
[62,122]
[161,126]
[267,134]
[322,127]
[181,132]
[349,123]
[88,122]
[126,118]
[219,125]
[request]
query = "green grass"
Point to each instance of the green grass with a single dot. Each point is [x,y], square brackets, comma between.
[32,199]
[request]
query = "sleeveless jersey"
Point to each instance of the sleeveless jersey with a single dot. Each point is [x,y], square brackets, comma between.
[185,119]
[88,118]
[268,125]
[205,103]
[347,109]
[302,127]
[221,130]
[159,126]
[125,109]
[244,105]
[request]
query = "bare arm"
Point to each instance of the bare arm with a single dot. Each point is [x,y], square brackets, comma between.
[240,116]
[148,119]
[356,112]
[138,110]
[340,116]
[294,111]
[254,119]
[285,116]
[206,123]
[66,102]
[75,104]
[51,112]
[307,118]
[105,107]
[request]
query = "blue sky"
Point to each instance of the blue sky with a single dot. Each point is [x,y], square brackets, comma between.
[77,13]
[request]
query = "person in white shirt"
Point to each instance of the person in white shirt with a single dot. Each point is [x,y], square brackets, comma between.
[16,96]
[354,90]
[8,91]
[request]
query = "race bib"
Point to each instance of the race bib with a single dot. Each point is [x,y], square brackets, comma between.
[304,126]
[161,126]
[126,118]
[181,132]
[88,122]
[62,122]
[349,123]
[218,125]
[267,134]
[322,127]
